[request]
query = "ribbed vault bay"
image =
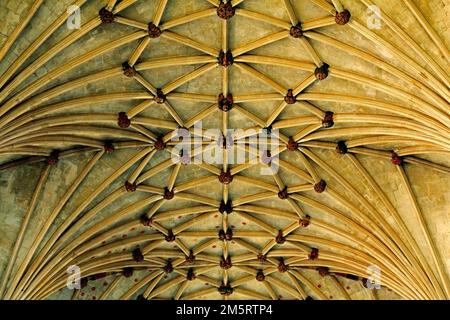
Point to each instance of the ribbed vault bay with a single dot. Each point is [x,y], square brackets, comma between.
[87,179]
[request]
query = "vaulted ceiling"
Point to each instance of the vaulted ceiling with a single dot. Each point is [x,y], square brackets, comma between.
[91,173]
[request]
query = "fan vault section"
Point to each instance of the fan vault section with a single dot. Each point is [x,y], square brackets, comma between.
[92,178]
